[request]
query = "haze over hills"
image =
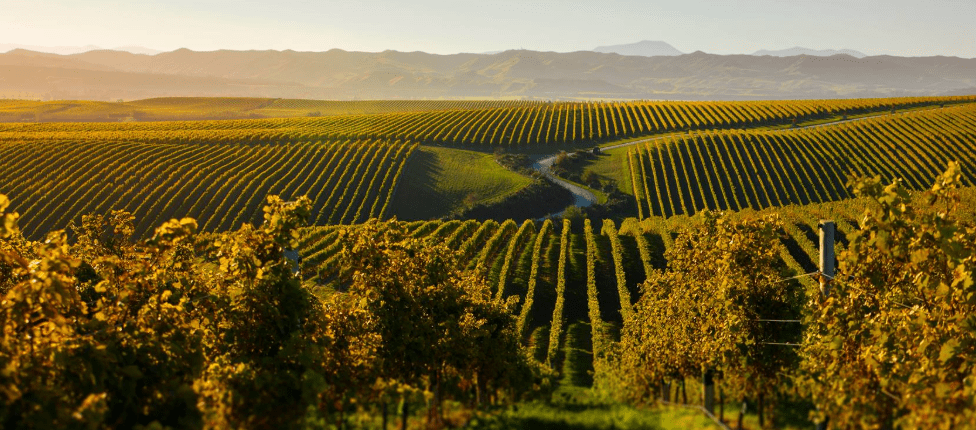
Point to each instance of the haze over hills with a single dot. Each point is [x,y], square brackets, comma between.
[646,48]
[338,74]
[798,50]
[68,50]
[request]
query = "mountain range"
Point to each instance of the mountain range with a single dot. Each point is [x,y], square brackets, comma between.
[338,74]
[68,50]
[656,48]
[797,50]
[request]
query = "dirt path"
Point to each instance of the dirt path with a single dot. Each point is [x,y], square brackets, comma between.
[582,196]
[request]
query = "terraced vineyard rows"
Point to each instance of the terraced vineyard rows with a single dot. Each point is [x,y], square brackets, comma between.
[221,185]
[579,284]
[521,124]
[760,169]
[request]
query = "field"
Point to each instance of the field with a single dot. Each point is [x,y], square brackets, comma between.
[572,281]
[189,108]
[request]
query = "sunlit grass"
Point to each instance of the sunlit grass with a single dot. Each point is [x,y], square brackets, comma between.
[440,181]
[577,408]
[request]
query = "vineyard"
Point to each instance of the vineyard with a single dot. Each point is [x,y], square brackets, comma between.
[206,108]
[516,124]
[351,165]
[760,169]
[565,274]
[220,185]
[219,171]
[375,316]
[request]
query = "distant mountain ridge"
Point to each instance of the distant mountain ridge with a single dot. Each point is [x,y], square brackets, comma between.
[645,48]
[798,50]
[69,50]
[338,74]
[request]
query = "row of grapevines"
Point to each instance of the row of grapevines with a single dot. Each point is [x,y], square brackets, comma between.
[610,230]
[599,337]
[469,247]
[444,229]
[635,182]
[461,233]
[517,241]
[489,251]
[632,227]
[544,233]
[555,331]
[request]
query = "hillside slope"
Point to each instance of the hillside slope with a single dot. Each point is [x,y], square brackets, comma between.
[220,185]
[732,170]
[515,73]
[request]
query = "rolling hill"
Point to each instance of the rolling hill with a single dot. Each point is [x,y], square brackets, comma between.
[338,74]
[798,50]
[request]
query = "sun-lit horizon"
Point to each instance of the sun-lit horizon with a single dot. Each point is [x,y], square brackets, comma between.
[875,28]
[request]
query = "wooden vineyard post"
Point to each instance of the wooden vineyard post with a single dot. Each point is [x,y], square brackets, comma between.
[708,391]
[827,229]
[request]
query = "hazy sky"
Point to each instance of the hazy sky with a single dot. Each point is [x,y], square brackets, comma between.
[897,27]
